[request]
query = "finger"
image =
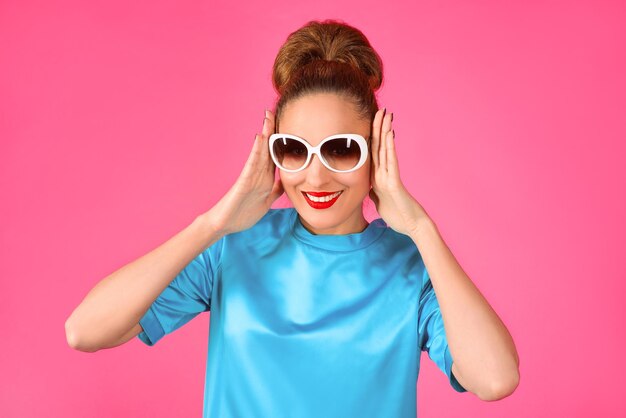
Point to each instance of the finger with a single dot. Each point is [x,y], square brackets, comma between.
[392,157]
[383,144]
[272,118]
[270,122]
[252,163]
[266,132]
[376,136]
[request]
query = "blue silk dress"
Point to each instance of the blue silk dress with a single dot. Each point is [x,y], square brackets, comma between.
[304,325]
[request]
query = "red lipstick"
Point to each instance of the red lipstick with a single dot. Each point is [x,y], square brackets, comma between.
[321,205]
[321,194]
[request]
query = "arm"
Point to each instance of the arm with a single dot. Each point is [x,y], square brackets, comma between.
[485,359]
[109,315]
[134,331]
[111,311]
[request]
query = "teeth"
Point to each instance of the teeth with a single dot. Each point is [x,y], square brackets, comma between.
[323,199]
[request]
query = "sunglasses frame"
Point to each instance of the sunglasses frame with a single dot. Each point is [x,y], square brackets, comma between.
[360,140]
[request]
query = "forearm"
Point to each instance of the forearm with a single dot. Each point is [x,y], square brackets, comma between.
[484,354]
[119,301]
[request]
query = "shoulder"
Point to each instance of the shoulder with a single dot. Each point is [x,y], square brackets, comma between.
[401,251]
[275,218]
[396,241]
[274,224]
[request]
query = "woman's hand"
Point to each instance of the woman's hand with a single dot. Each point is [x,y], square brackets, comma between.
[254,191]
[396,206]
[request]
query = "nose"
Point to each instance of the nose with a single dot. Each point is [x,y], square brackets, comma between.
[316,172]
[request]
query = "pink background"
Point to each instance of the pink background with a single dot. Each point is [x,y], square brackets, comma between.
[122,121]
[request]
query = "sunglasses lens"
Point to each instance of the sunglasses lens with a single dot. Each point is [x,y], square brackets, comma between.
[341,153]
[290,154]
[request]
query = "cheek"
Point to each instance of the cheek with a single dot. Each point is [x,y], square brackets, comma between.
[359,179]
[289,180]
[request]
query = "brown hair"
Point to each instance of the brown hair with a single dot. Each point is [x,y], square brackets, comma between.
[328,56]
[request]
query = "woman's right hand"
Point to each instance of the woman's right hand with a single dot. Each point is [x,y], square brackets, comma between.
[252,195]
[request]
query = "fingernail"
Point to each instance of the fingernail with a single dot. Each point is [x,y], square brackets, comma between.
[267,113]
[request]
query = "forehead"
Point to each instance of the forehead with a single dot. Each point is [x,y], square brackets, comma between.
[318,116]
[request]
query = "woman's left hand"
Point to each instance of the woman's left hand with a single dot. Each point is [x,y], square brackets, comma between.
[394,203]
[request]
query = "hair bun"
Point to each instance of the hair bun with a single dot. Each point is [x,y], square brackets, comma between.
[329,43]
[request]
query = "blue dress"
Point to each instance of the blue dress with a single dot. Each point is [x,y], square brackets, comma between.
[305,325]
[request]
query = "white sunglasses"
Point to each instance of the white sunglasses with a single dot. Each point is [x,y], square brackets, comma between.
[341,153]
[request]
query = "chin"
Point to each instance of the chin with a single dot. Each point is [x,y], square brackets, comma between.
[322,220]
[328,218]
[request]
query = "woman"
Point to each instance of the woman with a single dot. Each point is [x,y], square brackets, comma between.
[314,311]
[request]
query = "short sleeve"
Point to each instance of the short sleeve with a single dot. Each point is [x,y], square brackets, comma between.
[188,294]
[431,333]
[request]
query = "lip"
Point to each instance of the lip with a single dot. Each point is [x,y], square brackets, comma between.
[321,205]
[322,194]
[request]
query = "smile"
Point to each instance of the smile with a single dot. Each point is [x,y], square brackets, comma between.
[322,202]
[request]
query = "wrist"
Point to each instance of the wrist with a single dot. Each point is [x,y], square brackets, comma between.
[209,225]
[423,226]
